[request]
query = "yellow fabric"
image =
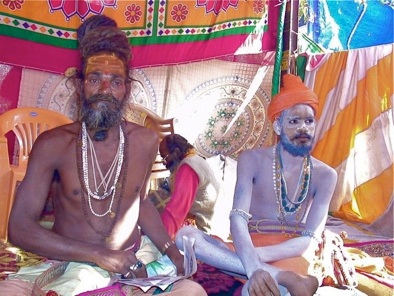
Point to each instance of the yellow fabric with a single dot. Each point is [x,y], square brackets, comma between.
[21,258]
[371,287]
[374,265]
[371,99]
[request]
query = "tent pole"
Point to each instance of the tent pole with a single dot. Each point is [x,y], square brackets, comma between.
[290,37]
[286,45]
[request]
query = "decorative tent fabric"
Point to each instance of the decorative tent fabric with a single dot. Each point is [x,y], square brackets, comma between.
[161,32]
[175,91]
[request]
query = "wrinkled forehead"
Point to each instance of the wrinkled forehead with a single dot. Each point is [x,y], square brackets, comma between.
[107,64]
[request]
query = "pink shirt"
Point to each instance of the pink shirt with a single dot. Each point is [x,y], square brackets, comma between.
[182,198]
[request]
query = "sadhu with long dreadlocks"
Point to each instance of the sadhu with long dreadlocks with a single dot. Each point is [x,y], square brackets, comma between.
[99,168]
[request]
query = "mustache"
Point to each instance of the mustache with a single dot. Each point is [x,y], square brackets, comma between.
[103,117]
[302,135]
[102,98]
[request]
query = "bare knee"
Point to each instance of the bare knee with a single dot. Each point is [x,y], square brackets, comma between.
[189,231]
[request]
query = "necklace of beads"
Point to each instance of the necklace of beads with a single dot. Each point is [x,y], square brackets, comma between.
[288,206]
[119,157]
[280,186]
[120,192]
[108,176]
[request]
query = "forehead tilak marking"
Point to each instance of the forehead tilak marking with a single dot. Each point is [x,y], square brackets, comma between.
[110,61]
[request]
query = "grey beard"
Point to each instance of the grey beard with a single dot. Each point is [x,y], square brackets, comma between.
[100,120]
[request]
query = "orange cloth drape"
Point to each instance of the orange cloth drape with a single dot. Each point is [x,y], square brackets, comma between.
[355,129]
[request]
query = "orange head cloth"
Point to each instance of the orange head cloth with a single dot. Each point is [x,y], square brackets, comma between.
[292,93]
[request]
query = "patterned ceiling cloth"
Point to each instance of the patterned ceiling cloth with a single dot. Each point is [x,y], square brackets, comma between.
[42,34]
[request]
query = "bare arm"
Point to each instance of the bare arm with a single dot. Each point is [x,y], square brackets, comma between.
[24,229]
[261,276]
[152,225]
[242,200]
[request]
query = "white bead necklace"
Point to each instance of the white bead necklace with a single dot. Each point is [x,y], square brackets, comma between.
[108,176]
[117,159]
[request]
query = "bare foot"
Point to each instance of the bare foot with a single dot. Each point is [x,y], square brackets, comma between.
[298,285]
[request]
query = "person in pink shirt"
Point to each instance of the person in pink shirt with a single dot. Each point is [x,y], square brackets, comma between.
[193,186]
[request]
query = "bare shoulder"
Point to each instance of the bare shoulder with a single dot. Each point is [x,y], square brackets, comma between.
[54,146]
[323,171]
[58,136]
[254,161]
[146,137]
[255,155]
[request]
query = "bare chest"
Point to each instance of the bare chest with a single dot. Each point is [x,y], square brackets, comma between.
[282,196]
[88,210]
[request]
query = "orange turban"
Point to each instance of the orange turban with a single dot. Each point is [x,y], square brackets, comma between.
[292,93]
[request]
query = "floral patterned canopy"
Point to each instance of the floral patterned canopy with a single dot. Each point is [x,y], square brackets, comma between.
[161,32]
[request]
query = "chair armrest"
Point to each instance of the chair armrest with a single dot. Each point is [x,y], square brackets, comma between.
[5,198]
[162,127]
[4,156]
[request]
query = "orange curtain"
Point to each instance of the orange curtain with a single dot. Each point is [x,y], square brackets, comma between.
[355,129]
